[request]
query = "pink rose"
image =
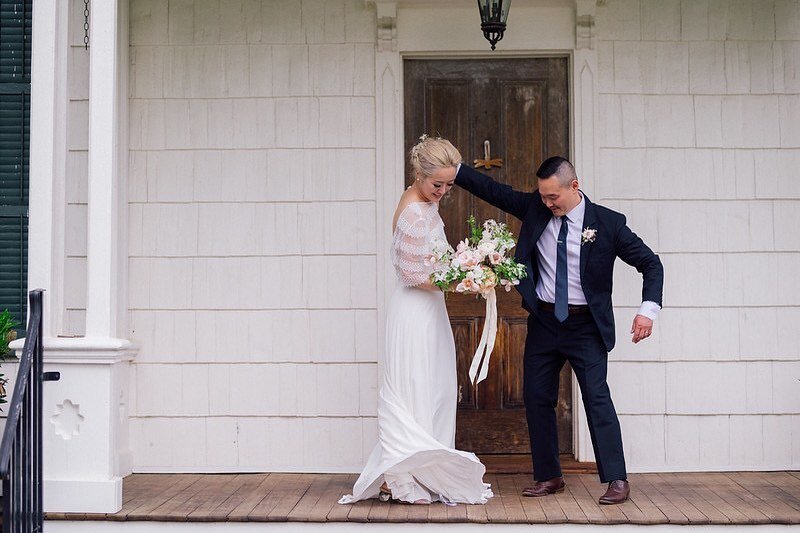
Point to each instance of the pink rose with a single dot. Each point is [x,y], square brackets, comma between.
[467,259]
[467,285]
[495,258]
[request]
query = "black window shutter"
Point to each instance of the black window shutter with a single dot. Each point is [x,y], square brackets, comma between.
[15,90]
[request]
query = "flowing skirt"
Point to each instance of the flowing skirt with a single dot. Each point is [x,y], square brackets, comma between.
[415,454]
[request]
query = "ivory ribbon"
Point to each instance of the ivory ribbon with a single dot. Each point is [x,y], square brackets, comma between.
[480,362]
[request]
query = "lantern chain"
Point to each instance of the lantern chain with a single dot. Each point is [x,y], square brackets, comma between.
[86,24]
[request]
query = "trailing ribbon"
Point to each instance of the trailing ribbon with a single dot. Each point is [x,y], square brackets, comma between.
[480,361]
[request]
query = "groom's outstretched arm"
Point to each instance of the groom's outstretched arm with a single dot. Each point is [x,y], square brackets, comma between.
[499,195]
[633,250]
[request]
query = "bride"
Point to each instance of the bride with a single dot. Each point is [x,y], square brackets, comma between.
[415,460]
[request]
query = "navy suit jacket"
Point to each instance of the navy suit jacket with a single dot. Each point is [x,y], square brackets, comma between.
[613,239]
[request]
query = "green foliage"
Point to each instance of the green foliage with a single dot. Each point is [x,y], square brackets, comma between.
[510,269]
[8,333]
[475,233]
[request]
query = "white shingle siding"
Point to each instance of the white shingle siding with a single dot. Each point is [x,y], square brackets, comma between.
[252,234]
[699,111]
[253,240]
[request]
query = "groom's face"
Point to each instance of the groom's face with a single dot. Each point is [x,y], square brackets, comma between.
[558,198]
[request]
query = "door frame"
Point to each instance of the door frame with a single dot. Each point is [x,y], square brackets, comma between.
[401,35]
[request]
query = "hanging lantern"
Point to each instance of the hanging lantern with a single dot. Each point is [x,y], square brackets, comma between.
[494,14]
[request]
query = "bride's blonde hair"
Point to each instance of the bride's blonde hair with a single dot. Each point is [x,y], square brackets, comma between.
[432,153]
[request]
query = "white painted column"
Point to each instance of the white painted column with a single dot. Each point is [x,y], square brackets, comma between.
[86,450]
[103,224]
[48,158]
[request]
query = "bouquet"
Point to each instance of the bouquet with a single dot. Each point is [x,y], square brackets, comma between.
[478,265]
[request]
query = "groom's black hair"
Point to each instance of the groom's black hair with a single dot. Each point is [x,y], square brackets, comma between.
[555,165]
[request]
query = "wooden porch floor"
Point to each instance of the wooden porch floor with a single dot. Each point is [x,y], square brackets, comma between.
[689,498]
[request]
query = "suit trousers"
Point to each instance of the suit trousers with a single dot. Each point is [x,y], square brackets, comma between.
[548,345]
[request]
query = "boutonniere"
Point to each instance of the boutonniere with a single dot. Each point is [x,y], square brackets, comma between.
[588,235]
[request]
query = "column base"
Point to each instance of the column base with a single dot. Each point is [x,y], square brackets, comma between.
[85,423]
[83,496]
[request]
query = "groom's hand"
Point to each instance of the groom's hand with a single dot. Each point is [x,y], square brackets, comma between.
[642,328]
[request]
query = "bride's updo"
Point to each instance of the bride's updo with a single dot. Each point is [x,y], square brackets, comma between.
[431,154]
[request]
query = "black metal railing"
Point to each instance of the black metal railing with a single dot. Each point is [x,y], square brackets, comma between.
[21,447]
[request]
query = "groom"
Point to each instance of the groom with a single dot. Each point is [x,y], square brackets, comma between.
[569,245]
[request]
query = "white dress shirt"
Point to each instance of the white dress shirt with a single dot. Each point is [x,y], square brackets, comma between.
[547,248]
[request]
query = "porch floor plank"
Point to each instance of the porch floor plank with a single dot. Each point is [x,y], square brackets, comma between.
[495,512]
[680,484]
[568,503]
[379,512]
[773,514]
[663,498]
[738,501]
[438,513]
[788,484]
[688,508]
[710,491]
[672,514]
[142,508]
[575,490]
[288,494]
[766,492]
[359,511]
[510,497]
[236,492]
[334,512]
[417,513]
[302,511]
[651,513]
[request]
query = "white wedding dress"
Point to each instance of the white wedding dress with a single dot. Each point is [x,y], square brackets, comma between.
[415,453]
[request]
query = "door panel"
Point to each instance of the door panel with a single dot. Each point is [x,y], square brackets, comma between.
[521,107]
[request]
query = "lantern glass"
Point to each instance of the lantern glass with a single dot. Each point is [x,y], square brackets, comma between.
[494,14]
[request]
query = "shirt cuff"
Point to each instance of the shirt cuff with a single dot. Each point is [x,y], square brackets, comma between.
[458,167]
[649,309]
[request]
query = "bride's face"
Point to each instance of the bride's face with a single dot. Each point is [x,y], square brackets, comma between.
[437,184]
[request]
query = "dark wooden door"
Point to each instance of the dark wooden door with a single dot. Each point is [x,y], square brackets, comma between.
[521,107]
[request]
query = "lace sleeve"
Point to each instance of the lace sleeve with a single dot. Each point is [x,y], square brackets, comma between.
[411,247]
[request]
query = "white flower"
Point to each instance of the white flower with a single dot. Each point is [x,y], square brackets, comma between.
[588,235]
[440,247]
[486,247]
